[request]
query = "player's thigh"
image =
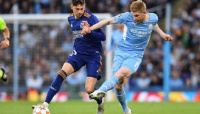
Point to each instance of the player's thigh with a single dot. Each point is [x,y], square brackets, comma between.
[122,73]
[132,64]
[93,66]
[67,67]
[73,63]
[117,62]
[90,84]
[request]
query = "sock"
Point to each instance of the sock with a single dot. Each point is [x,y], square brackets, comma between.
[121,96]
[46,104]
[55,86]
[109,84]
[99,101]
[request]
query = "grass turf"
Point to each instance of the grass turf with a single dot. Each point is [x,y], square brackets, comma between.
[80,107]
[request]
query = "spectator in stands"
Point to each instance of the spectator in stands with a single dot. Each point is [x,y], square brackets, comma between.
[143,80]
[33,81]
[176,81]
[156,81]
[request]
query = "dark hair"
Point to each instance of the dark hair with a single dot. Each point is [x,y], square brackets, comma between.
[77,2]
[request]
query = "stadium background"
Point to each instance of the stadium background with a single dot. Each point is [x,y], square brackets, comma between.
[44,46]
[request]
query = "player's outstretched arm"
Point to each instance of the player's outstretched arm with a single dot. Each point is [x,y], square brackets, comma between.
[5,44]
[6,33]
[99,24]
[162,34]
[97,34]
[103,23]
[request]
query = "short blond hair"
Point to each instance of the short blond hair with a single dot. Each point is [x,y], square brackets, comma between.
[138,5]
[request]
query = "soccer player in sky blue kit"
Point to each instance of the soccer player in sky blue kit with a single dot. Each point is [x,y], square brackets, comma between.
[129,52]
[87,52]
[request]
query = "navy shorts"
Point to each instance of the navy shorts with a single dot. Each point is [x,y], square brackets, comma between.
[93,63]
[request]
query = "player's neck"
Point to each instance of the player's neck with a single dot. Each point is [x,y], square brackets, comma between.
[146,17]
[76,17]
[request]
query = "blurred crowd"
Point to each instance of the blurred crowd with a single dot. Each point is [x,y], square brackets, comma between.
[63,6]
[44,48]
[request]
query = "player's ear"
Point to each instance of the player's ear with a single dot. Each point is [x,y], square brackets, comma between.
[71,6]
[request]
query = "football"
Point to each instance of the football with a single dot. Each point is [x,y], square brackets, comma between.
[41,110]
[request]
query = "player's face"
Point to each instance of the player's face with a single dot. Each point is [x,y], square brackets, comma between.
[138,16]
[78,10]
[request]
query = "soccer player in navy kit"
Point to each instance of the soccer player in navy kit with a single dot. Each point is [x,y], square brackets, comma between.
[87,52]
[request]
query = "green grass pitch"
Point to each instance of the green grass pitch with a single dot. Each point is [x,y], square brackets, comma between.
[80,107]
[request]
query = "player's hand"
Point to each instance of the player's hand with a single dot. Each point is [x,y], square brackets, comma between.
[167,37]
[86,28]
[5,44]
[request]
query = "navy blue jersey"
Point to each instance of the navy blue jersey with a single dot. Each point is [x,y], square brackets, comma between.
[89,44]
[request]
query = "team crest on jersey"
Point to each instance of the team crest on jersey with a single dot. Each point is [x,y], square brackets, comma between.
[81,25]
[151,26]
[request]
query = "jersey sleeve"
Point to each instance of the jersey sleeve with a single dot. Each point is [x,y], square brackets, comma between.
[155,17]
[2,24]
[121,18]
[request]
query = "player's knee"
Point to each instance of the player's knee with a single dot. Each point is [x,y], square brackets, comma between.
[89,90]
[123,75]
[63,74]
[119,88]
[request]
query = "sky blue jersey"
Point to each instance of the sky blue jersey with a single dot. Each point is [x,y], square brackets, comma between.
[89,44]
[115,38]
[136,36]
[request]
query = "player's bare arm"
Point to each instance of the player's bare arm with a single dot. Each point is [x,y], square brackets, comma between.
[98,25]
[162,34]
[103,23]
[5,44]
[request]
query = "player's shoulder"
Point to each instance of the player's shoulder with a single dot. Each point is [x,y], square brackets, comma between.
[124,15]
[87,14]
[1,19]
[2,22]
[71,16]
[153,16]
